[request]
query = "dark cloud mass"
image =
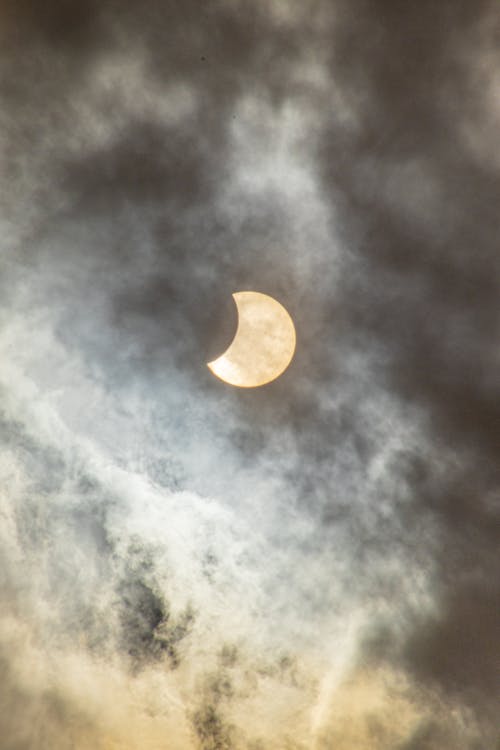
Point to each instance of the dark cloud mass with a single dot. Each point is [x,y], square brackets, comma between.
[310,565]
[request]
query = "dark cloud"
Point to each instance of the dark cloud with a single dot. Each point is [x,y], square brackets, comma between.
[457,649]
[60,24]
[424,284]
[212,731]
[136,140]
[429,288]
[166,176]
[149,632]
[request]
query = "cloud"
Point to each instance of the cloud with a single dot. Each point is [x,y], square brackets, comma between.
[422,228]
[298,566]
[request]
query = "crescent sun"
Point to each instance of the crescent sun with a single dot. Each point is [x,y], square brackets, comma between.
[263,345]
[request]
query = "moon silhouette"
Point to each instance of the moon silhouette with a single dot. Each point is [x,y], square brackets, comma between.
[263,345]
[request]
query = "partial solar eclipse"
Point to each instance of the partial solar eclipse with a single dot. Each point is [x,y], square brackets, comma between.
[263,345]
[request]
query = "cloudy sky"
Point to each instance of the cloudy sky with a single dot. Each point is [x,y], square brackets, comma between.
[310,565]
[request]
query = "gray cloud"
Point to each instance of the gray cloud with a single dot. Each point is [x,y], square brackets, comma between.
[340,520]
[424,226]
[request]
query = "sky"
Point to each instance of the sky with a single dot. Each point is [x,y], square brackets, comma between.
[309,565]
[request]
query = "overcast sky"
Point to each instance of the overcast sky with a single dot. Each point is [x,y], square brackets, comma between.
[310,565]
